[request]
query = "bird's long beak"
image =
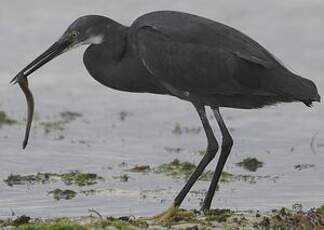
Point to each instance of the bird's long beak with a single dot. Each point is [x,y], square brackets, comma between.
[56,49]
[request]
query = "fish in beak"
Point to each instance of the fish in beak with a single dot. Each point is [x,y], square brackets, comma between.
[85,30]
[55,50]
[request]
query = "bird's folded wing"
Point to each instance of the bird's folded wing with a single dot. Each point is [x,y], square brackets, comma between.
[195,67]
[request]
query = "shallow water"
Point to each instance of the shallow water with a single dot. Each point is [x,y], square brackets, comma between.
[99,141]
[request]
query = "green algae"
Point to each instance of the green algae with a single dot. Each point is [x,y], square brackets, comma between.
[288,219]
[55,224]
[122,178]
[39,178]
[70,178]
[20,220]
[89,192]
[69,116]
[65,224]
[300,167]
[183,219]
[179,129]
[5,120]
[66,194]
[219,215]
[52,126]
[140,169]
[250,164]
[320,209]
[80,178]
[117,223]
[226,177]
[177,168]
[59,124]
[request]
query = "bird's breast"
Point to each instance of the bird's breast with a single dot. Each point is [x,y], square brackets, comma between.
[124,74]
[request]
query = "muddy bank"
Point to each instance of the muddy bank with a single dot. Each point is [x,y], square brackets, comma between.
[283,218]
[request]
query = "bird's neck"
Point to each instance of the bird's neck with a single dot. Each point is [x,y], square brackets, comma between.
[115,41]
[102,60]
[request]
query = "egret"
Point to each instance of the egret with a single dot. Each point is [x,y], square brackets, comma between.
[193,58]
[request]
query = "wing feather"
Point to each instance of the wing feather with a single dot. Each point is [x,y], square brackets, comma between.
[195,67]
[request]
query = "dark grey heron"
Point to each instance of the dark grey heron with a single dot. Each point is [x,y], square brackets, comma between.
[190,57]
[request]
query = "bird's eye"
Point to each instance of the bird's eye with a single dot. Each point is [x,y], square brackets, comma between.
[74,34]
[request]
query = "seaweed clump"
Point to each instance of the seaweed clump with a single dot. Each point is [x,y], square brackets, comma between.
[213,219]
[177,168]
[59,125]
[39,178]
[178,129]
[59,194]
[5,120]
[140,169]
[79,178]
[70,178]
[250,164]
[219,215]
[288,219]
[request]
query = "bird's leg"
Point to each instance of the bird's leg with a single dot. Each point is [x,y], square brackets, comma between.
[210,154]
[211,151]
[227,144]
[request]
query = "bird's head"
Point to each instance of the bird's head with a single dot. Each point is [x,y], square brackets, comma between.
[90,29]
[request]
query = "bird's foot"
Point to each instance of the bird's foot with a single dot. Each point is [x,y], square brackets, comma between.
[166,216]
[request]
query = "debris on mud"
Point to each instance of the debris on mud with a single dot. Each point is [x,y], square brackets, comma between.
[59,124]
[59,194]
[39,178]
[183,169]
[183,220]
[303,166]
[140,169]
[178,129]
[124,114]
[52,126]
[122,164]
[225,176]
[80,178]
[173,150]
[287,219]
[122,178]
[89,192]
[250,164]
[16,222]
[219,215]
[38,224]
[253,179]
[69,116]
[200,152]
[5,120]
[177,168]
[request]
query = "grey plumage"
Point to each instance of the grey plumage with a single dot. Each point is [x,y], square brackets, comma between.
[227,62]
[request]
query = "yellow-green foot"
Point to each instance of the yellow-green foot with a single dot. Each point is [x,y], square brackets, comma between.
[166,216]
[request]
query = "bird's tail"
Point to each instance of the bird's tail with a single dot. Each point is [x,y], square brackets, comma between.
[293,87]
